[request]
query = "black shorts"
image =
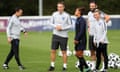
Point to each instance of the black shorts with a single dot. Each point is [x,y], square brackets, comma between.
[59,41]
[91,43]
[80,46]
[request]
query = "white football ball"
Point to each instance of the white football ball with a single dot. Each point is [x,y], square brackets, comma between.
[87,53]
[111,64]
[90,64]
[113,57]
[118,64]
[60,53]
[77,64]
[74,52]
[69,53]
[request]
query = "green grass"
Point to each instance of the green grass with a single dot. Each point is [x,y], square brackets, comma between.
[35,52]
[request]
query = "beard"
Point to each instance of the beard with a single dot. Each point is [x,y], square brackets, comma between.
[92,10]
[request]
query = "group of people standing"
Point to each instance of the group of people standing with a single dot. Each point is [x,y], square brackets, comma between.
[61,23]
[97,28]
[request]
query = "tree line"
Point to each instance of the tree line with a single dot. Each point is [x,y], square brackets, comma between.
[31,6]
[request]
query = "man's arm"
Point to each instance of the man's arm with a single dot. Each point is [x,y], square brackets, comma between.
[52,21]
[8,30]
[107,17]
[88,25]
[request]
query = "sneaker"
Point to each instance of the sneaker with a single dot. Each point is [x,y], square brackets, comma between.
[104,70]
[64,69]
[51,68]
[87,70]
[21,67]
[5,66]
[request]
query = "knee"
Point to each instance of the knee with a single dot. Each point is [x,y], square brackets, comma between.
[93,53]
[53,51]
[78,54]
[64,52]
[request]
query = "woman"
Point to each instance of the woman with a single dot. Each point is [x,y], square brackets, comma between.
[80,39]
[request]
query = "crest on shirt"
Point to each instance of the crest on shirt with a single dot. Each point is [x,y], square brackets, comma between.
[63,18]
[100,23]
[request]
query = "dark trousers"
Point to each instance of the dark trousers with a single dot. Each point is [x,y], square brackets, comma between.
[14,52]
[102,49]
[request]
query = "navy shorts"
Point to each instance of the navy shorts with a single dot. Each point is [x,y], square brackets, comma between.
[91,43]
[59,41]
[80,46]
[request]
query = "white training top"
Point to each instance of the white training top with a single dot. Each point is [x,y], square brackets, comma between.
[64,20]
[100,31]
[91,21]
[14,27]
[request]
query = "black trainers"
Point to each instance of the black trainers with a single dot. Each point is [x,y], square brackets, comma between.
[5,66]
[64,69]
[21,67]
[51,68]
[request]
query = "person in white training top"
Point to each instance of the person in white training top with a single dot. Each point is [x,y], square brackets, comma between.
[91,21]
[61,23]
[100,40]
[14,29]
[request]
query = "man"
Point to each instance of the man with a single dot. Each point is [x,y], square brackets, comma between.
[13,34]
[100,40]
[61,23]
[91,21]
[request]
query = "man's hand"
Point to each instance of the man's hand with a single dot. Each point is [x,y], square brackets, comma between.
[76,42]
[58,27]
[9,40]
[25,34]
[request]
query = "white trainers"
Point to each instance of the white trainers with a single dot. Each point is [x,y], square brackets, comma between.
[5,66]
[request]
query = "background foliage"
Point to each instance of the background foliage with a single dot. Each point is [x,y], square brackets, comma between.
[31,6]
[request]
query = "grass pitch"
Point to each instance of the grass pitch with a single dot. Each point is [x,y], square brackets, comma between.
[35,52]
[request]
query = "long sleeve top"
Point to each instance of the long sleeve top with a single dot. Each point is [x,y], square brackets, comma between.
[14,28]
[64,20]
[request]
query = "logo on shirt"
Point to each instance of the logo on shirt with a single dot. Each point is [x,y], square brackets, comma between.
[99,23]
[63,18]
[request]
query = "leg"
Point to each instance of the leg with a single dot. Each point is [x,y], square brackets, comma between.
[63,46]
[10,55]
[98,55]
[54,46]
[16,51]
[103,65]
[104,52]
[79,55]
[93,55]
[92,48]
[53,56]
[64,59]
